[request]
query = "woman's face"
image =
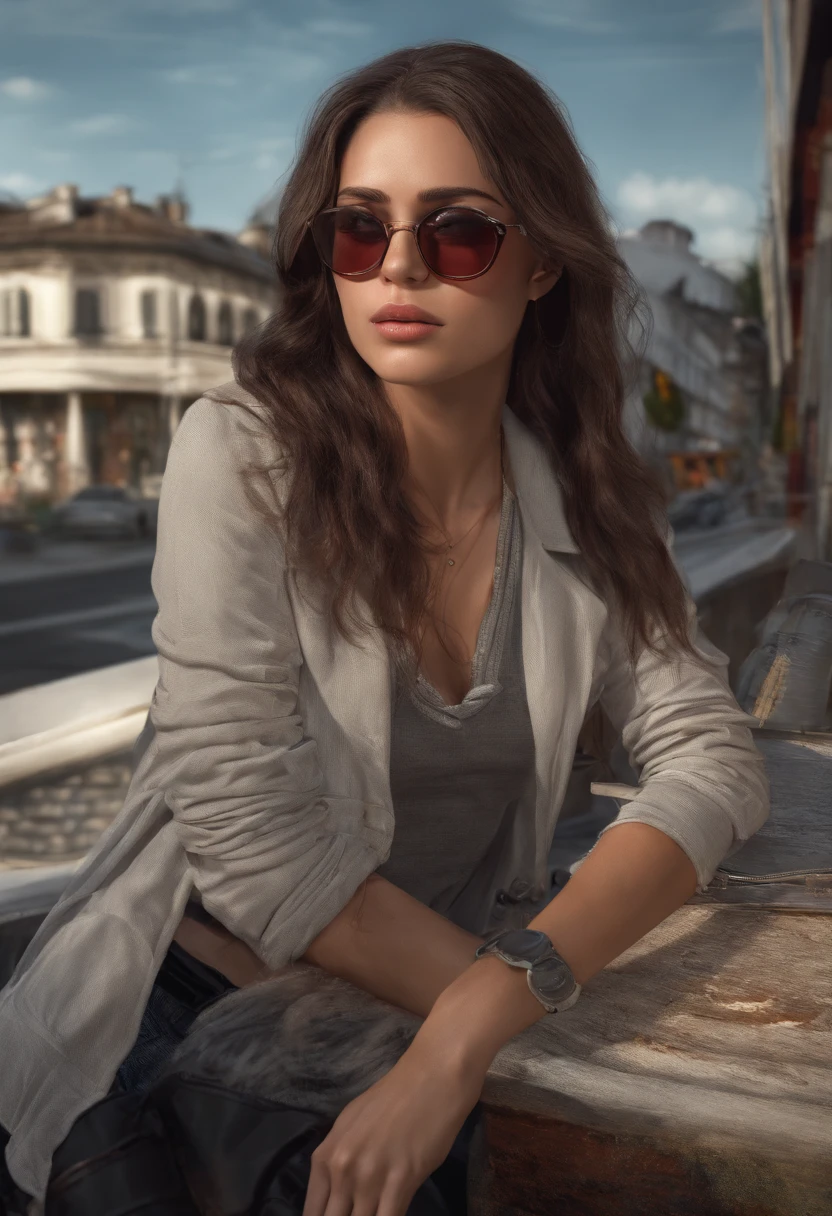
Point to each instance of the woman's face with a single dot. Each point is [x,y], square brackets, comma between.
[400,155]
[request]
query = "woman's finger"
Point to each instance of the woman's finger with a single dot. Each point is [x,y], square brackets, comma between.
[340,1203]
[354,1185]
[396,1195]
[318,1190]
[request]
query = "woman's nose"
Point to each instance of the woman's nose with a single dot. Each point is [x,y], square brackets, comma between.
[403,259]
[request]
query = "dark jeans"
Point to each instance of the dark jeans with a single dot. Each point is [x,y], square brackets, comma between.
[168,1016]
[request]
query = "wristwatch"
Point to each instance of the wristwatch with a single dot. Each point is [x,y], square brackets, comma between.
[547,974]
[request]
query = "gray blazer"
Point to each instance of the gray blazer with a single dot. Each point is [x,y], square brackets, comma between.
[264,781]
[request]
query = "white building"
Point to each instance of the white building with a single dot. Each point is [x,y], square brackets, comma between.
[114,316]
[715,358]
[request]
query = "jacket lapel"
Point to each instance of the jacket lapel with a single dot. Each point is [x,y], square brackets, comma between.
[562,620]
[346,692]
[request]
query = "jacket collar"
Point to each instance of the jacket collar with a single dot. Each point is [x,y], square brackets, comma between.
[537,486]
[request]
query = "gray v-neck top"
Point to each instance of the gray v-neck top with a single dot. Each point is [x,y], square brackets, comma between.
[458,771]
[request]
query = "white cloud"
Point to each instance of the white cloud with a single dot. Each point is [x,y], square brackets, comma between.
[202,76]
[102,124]
[697,197]
[334,28]
[580,16]
[730,245]
[114,19]
[298,66]
[270,158]
[226,152]
[18,183]
[723,218]
[24,88]
[740,17]
[276,143]
[54,155]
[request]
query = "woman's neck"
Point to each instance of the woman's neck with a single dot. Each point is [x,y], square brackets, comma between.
[453,448]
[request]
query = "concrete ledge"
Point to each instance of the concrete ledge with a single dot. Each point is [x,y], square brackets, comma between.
[74,720]
[33,891]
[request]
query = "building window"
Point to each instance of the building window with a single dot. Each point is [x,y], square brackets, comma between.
[225,325]
[250,320]
[196,319]
[15,313]
[24,314]
[149,314]
[87,312]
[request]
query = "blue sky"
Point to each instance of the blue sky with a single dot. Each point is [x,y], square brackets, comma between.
[665,96]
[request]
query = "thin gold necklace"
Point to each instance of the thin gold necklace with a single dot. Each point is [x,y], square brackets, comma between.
[452,545]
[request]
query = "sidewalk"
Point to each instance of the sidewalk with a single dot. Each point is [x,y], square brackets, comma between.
[70,557]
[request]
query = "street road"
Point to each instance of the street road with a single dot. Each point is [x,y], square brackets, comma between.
[63,617]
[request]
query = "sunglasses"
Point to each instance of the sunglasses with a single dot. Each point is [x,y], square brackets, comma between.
[454,242]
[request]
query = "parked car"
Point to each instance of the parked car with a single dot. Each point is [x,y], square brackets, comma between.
[698,508]
[18,534]
[104,510]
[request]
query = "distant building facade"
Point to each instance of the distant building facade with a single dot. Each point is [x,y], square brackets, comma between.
[114,316]
[712,361]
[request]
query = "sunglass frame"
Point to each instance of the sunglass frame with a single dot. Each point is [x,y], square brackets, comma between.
[393,226]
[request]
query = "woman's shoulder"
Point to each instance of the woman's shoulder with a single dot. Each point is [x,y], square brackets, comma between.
[226,420]
[225,448]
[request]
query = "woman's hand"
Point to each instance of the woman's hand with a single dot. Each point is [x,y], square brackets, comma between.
[388,1140]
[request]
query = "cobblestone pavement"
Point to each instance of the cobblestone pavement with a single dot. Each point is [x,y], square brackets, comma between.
[59,817]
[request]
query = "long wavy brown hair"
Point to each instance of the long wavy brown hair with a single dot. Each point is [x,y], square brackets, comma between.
[344,517]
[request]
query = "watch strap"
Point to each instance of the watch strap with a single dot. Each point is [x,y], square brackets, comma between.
[491,946]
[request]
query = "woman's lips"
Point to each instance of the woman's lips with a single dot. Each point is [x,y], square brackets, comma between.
[405,330]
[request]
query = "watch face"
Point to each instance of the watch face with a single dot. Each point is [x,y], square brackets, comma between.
[527,943]
[553,979]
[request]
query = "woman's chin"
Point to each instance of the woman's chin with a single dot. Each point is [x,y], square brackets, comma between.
[415,372]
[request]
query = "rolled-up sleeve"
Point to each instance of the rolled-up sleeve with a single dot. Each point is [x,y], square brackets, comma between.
[702,779]
[273,857]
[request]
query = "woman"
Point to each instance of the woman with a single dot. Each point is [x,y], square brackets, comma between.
[399,562]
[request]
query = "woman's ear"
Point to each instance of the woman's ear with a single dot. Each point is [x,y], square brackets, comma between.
[544,279]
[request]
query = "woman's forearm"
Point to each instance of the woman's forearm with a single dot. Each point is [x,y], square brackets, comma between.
[631,881]
[383,941]
[391,945]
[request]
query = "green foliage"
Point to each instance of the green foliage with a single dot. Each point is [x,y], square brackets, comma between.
[750,292]
[664,403]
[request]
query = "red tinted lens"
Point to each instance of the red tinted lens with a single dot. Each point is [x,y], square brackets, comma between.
[350,241]
[457,243]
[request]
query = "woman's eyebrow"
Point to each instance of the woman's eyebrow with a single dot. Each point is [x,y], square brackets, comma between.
[437,194]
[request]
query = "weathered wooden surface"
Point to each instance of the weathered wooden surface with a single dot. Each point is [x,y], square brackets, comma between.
[581,1172]
[696,1067]
[813,896]
[796,836]
[798,833]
